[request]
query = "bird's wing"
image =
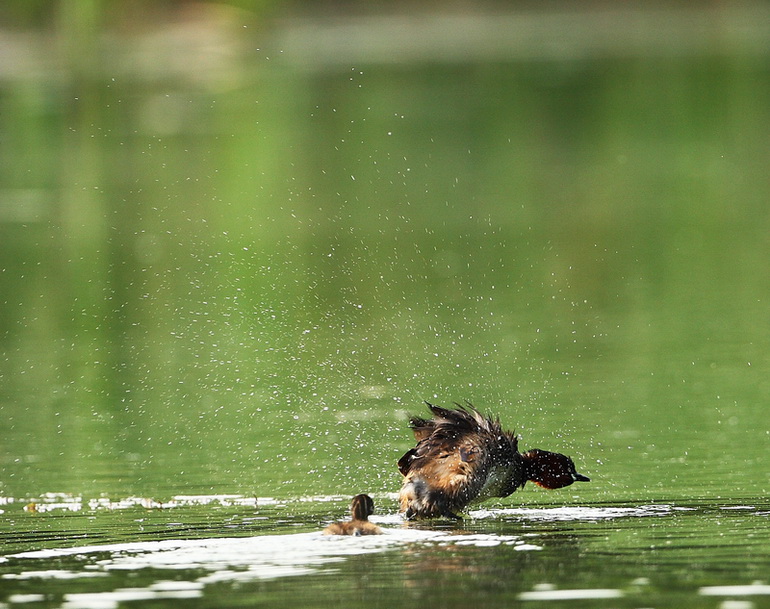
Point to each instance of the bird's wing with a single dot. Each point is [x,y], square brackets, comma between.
[455,467]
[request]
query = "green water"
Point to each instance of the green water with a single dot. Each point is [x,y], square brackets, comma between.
[235,269]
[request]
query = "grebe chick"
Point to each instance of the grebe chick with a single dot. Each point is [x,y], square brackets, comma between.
[361,508]
[464,457]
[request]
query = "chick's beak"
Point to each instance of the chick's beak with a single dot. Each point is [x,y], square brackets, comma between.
[580,478]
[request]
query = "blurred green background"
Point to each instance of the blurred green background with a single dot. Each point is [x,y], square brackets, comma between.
[240,241]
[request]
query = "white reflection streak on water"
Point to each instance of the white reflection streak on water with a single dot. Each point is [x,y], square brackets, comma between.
[278,556]
[271,556]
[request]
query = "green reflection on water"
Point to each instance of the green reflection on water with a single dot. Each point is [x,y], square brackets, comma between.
[245,284]
[659,556]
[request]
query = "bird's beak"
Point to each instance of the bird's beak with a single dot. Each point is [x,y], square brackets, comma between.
[580,478]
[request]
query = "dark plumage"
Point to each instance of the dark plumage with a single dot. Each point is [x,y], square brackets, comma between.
[464,457]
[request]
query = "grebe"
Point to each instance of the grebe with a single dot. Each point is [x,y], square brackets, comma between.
[464,457]
[361,508]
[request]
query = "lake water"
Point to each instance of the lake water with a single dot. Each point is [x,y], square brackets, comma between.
[236,253]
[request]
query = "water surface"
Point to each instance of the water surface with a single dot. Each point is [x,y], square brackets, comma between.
[227,280]
[610,555]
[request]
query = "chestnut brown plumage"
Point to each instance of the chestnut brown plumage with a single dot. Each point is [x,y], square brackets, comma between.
[361,508]
[464,457]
